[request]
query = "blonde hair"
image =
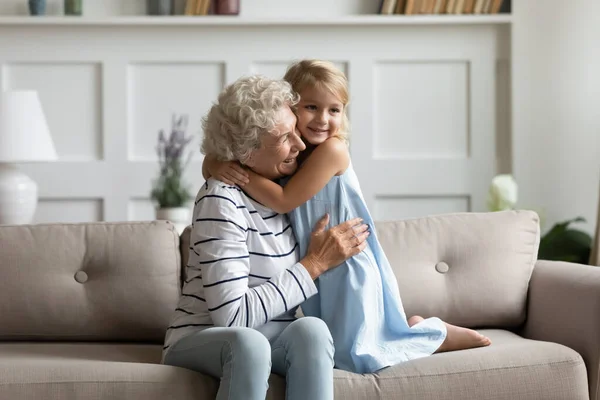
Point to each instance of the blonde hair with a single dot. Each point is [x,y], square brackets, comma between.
[244,111]
[321,75]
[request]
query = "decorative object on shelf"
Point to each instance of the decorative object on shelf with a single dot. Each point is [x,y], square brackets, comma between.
[160,7]
[37,7]
[170,194]
[179,7]
[561,243]
[74,7]
[24,137]
[227,7]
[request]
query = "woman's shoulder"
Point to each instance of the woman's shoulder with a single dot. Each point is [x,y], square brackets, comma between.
[214,187]
[215,192]
[229,199]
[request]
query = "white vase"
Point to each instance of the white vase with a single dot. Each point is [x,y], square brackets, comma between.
[179,216]
[18,196]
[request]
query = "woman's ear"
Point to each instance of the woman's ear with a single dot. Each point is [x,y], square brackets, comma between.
[249,162]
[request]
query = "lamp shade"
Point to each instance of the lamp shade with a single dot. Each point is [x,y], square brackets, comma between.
[24,133]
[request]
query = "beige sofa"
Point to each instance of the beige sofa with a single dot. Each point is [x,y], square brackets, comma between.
[84,308]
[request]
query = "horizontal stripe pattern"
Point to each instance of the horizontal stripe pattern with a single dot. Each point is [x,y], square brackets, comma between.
[225,280]
[242,268]
[254,253]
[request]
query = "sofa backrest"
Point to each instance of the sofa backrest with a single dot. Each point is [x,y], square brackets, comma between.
[469,269]
[93,281]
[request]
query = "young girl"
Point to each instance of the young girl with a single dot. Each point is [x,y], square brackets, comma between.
[359,300]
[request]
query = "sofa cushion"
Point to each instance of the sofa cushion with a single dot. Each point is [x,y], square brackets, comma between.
[511,368]
[93,371]
[469,269]
[93,281]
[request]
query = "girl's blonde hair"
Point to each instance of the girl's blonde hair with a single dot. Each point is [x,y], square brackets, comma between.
[321,75]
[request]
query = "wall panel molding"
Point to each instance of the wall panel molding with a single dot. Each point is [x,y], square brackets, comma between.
[445,76]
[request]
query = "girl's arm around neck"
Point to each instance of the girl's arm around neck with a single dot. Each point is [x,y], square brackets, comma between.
[229,172]
[327,160]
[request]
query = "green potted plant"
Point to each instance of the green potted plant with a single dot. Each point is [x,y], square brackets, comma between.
[169,192]
[561,243]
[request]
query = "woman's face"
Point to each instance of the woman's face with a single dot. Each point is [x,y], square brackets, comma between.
[277,155]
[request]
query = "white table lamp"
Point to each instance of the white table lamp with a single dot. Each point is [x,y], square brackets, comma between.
[24,137]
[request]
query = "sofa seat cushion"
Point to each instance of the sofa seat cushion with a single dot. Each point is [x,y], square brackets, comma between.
[511,368]
[96,371]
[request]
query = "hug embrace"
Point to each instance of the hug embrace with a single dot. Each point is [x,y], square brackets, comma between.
[281,223]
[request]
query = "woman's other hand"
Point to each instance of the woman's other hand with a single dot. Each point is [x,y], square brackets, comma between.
[229,172]
[329,248]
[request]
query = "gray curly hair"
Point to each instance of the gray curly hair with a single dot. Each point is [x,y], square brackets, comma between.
[244,111]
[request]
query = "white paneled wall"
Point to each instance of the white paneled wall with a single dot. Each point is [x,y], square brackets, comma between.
[424,111]
[79,108]
[176,86]
[556,109]
[68,210]
[439,89]
[402,207]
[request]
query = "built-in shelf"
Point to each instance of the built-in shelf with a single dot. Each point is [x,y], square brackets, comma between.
[372,20]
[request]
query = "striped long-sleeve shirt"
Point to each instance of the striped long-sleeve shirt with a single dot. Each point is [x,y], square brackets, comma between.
[243,267]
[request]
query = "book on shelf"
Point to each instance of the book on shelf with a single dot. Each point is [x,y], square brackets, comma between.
[197,7]
[434,7]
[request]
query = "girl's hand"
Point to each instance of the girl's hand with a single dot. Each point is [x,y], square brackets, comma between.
[229,172]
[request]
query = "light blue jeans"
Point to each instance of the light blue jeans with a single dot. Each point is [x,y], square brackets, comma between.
[243,359]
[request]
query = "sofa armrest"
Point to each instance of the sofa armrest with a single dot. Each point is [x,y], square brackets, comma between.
[564,307]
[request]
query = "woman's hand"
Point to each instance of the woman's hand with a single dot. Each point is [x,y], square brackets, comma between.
[229,172]
[329,248]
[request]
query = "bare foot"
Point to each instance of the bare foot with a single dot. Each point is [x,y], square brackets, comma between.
[459,338]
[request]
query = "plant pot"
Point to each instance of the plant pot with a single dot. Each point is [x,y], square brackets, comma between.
[179,216]
[160,7]
[37,7]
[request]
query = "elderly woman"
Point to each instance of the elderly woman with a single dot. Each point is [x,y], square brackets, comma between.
[244,279]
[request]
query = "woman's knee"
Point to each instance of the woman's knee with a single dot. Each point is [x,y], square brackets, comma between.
[249,345]
[312,334]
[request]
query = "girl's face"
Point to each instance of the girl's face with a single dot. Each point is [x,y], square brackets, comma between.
[320,115]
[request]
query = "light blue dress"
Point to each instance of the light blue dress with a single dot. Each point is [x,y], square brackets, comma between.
[359,300]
